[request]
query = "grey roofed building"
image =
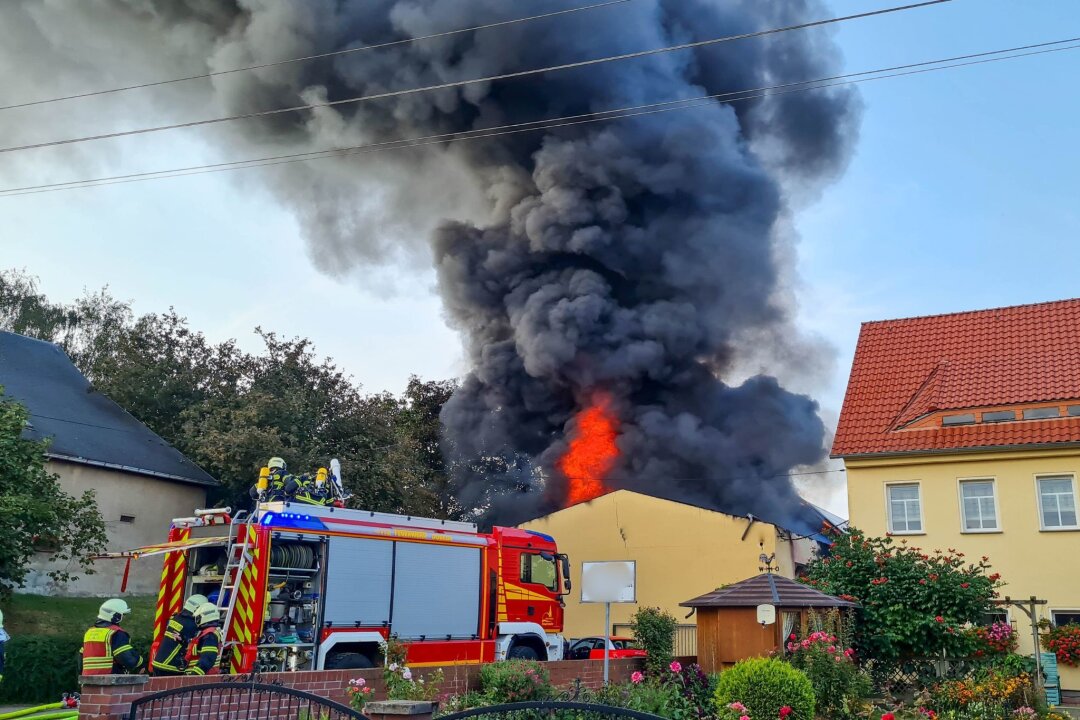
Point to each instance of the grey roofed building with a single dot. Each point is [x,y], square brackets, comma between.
[83,425]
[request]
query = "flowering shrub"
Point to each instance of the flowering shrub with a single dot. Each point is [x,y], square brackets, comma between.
[763,687]
[695,689]
[400,681]
[737,711]
[359,693]
[515,681]
[995,694]
[1064,641]
[914,603]
[998,639]
[840,687]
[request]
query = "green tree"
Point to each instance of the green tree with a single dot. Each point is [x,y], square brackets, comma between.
[35,513]
[912,603]
[230,410]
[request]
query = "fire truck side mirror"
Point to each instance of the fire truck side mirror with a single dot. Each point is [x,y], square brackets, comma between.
[564,562]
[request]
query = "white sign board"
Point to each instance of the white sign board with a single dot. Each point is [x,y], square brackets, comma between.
[609,582]
[766,614]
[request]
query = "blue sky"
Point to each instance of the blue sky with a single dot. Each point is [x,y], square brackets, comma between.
[962,194]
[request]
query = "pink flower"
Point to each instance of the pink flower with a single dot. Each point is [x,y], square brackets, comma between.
[888,716]
[637,677]
[737,706]
[745,717]
[675,666]
[785,711]
[832,649]
[838,658]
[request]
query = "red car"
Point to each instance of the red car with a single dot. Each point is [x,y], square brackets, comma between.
[592,648]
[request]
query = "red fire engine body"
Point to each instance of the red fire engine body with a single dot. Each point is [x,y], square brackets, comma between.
[321,587]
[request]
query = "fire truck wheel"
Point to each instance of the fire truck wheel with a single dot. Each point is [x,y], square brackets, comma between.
[522,652]
[348,661]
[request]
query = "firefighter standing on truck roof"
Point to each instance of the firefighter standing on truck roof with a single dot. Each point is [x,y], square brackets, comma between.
[107,647]
[171,653]
[272,484]
[202,654]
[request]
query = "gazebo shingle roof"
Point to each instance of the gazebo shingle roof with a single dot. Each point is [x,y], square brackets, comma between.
[767,589]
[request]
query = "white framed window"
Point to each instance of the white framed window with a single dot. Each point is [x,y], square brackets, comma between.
[904,506]
[1057,502]
[978,506]
[1065,617]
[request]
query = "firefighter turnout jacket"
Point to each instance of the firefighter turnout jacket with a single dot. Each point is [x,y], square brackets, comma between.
[171,654]
[107,650]
[202,655]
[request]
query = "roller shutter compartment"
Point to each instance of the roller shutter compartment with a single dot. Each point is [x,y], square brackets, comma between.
[358,580]
[436,591]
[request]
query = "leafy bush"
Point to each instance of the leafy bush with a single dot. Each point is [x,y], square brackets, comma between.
[694,686]
[40,668]
[914,603]
[451,704]
[840,686]
[1064,641]
[654,629]
[515,681]
[657,698]
[401,684]
[764,689]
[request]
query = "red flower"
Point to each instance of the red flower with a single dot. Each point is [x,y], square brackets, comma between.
[995,577]
[888,716]
[939,619]
[965,585]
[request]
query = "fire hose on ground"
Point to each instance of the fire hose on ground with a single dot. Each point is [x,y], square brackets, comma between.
[66,709]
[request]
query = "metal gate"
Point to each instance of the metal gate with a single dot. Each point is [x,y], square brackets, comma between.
[550,710]
[238,701]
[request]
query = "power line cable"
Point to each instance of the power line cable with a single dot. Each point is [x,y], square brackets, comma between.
[599,116]
[319,56]
[460,83]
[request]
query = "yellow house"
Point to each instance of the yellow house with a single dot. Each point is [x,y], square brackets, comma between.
[680,551]
[963,431]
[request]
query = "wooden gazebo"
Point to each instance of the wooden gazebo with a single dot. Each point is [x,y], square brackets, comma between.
[727,621]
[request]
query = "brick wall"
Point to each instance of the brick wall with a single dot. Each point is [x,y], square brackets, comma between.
[109,697]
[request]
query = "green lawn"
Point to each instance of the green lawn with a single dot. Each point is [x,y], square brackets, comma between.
[39,615]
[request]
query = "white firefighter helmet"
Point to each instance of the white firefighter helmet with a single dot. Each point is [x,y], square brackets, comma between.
[194,603]
[113,610]
[276,462]
[207,613]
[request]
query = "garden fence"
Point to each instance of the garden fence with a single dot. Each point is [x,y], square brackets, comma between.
[685,638]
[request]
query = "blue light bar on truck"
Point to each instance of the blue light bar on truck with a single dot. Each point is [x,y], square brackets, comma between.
[298,521]
[541,535]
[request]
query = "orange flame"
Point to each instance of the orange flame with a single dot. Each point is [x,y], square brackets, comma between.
[592,452]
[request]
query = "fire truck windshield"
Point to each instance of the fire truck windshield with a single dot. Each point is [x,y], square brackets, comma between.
[539,570]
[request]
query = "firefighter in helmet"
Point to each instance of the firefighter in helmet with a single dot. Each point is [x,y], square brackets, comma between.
[310,490]
[171,652]
[272,482]
[202,654]
[107,647]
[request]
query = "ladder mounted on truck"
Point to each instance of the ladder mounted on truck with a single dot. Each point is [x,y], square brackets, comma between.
[237,559]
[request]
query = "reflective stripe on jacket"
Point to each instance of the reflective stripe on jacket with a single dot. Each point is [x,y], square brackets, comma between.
[97,650]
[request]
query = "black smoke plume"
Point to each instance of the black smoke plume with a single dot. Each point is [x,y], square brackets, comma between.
[644,257]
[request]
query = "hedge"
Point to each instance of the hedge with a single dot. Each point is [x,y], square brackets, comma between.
[41,668]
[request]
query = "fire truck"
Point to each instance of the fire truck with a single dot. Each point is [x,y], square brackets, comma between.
[305,587]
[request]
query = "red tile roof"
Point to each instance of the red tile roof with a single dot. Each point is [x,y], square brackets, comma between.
[906,369]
